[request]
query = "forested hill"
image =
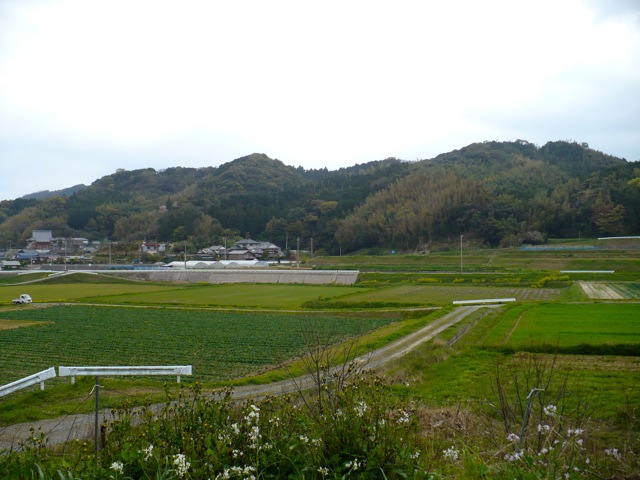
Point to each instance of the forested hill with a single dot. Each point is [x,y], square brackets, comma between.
[492,192]
[253,195]
[500,193]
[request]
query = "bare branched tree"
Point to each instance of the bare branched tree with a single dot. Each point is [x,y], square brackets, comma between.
[328,369]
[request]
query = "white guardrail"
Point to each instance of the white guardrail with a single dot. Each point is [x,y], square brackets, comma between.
[485,300]
[25,382]
[587,271]
[74,372]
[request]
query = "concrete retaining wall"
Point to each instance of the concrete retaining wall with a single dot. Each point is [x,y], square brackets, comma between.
[314,277]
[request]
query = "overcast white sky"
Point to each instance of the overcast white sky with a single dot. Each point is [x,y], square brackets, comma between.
[87,87]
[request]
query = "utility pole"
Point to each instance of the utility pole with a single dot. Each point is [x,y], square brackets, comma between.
[298,253]
[95,434]
[461,253]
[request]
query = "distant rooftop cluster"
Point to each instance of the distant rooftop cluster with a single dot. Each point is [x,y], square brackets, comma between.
[43,248]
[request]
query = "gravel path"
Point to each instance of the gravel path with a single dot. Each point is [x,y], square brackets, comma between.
[64,429]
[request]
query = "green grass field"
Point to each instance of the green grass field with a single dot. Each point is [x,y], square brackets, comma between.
[568,325]
[466,374]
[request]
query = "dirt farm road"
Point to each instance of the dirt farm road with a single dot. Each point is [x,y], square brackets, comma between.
[64,429]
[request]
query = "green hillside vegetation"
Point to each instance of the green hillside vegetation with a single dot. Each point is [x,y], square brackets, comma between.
[501,194]
[492,193]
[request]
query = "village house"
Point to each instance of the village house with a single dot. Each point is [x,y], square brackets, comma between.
[153,247]
[246,249]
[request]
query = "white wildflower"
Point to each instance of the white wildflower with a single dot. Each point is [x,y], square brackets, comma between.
[361,408]
[451,453]
[513,438]
[403,417]
[225,475]
[354,464]
[543,428]
[613,452]
[117,467]
[550,410]
[148,452]
[275,421]
[180,461]
[517,455]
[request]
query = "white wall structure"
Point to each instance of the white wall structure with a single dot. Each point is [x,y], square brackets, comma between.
[216,276]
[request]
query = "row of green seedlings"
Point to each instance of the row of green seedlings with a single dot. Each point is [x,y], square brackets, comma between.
[349,426]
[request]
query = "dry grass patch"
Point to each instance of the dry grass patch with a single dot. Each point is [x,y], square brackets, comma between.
[11,324]
[601,363]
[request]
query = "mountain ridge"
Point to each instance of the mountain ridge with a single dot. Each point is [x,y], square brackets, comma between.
[489,191]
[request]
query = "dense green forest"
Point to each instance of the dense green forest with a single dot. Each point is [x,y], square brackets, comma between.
[492,192]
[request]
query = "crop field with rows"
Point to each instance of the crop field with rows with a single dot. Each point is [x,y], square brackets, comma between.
[219,345]
[630,290]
